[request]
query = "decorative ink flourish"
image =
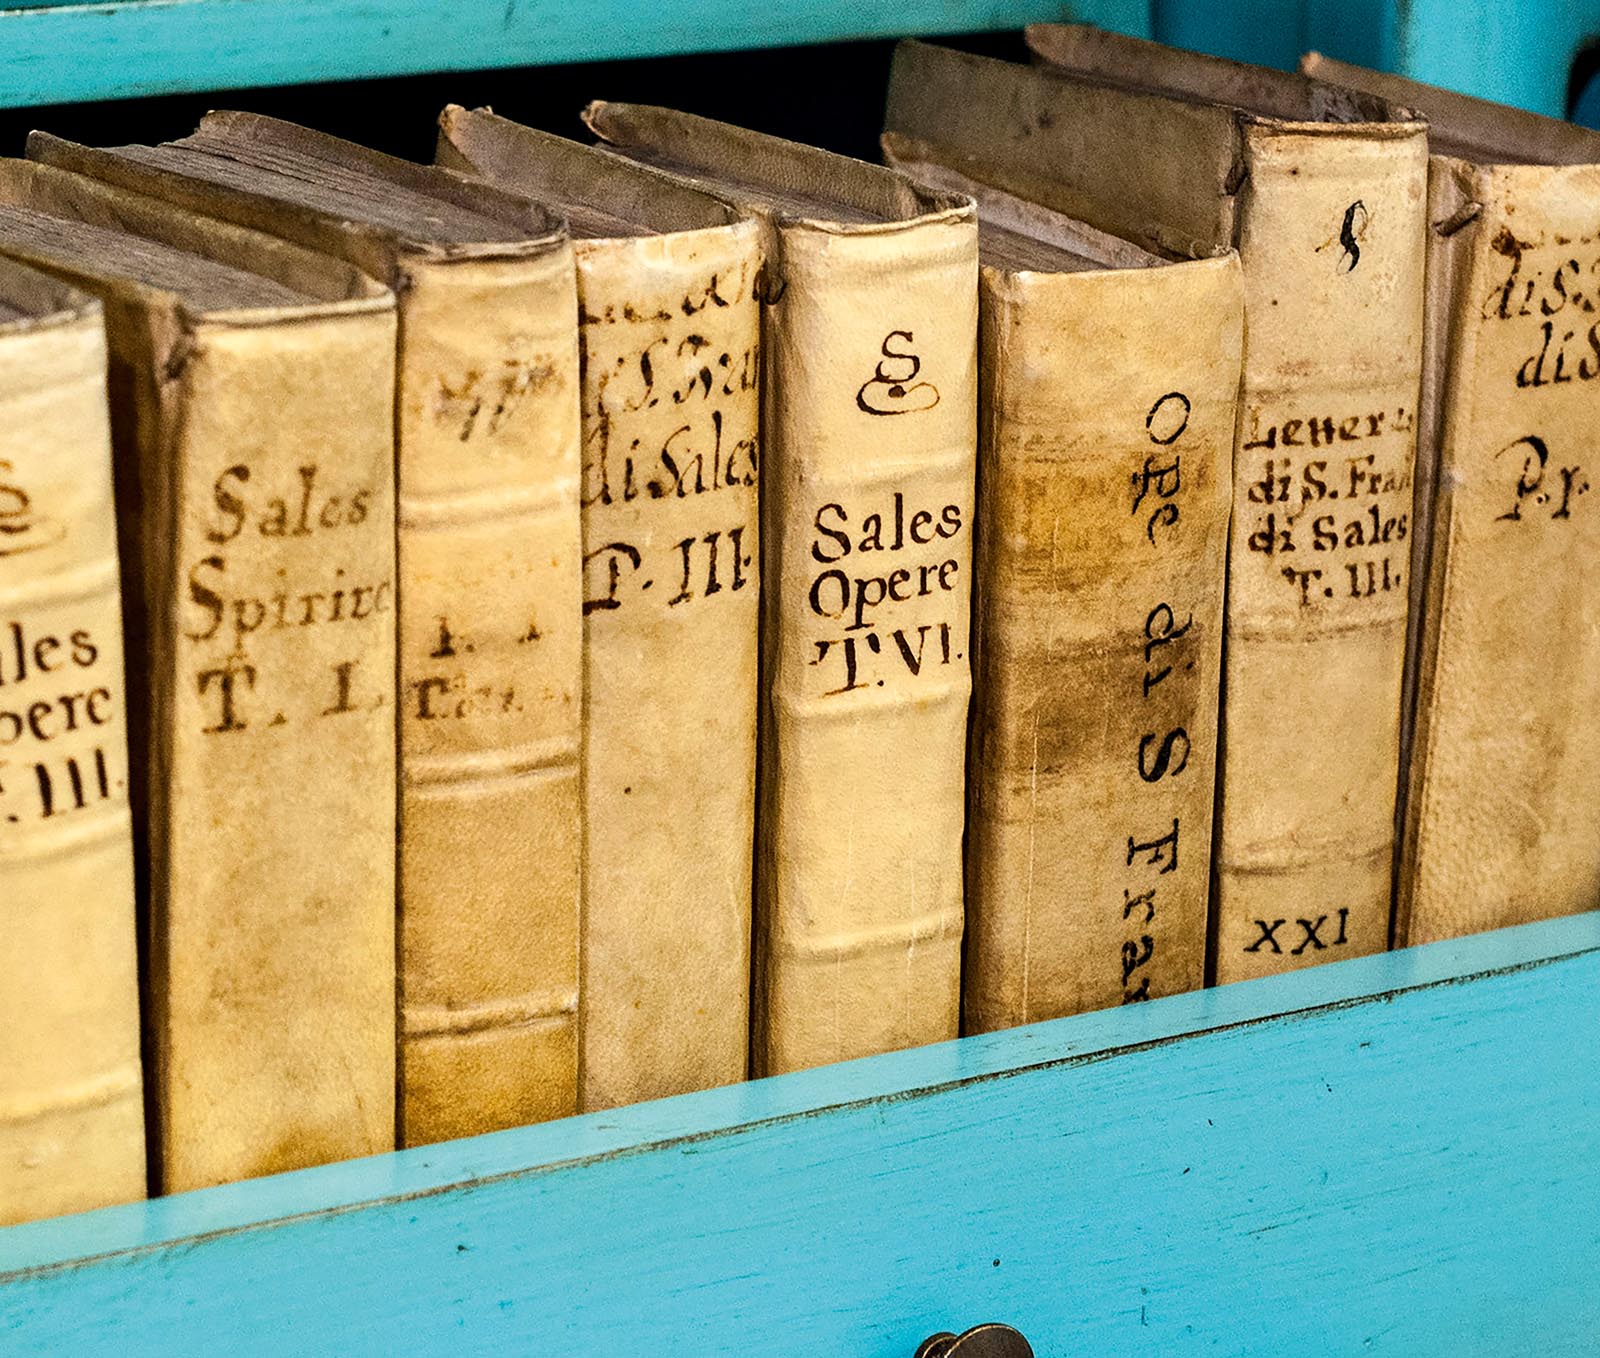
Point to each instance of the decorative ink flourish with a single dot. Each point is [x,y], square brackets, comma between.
[892,392]
[1350,232]
[22,529]
[1168,418]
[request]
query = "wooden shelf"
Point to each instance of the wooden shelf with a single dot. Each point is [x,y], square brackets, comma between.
[1393,1155]
[58,53]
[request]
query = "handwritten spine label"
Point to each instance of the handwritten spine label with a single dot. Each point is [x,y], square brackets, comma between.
[664,406]
[60,719]
[1163,749]
[270,516]
[1335,524]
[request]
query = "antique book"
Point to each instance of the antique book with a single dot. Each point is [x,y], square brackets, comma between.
[252,424]
[1323,193]
[71,1116]
[489,578]
[869,328]
[1105,456]
[1503,759]
[669,331]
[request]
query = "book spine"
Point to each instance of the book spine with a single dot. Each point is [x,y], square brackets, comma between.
[670,332]
[71,1117]
[490,694]
[1106,445]
[1331,240]
[1500,824]
[1452,209]
[271,668]
[871,441]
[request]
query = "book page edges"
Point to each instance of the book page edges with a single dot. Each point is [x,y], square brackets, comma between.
[1465,126]
[1174,73]
[537,226]
[950,171]
[70,184]
[1154,171]
[374,252]
[734,163]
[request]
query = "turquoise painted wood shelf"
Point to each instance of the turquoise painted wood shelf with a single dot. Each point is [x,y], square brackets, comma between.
[1394,1155]
[56,53]
[1515,51]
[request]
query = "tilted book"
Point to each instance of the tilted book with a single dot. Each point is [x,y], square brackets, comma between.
[669,334]
[252,426]
[1499,823]
[488,544]
[1104,489]
[1323,193]
[71,1118]
[870,389]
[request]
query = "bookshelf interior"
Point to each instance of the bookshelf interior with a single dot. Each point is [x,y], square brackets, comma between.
[1369,1156]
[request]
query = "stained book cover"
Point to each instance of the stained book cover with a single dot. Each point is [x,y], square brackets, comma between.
[1104,489]
[869,431]
[252,430]
[1322,191]
[1499,823]
[71,1118]
[669,344]
[489,580]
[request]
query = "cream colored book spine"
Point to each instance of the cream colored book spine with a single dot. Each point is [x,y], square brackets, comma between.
[1331,242]
[1105,481]
[274,720]
[1322,193]
[871,461]
[869,426]
[71,1117]
[669,335]
[254,450]
[490,647]
[1500,825]
[490,671]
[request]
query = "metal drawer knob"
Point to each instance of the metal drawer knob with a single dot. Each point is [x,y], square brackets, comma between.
[981,1341]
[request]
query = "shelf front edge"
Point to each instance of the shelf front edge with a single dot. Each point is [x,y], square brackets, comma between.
[64,53]
[1235,1134]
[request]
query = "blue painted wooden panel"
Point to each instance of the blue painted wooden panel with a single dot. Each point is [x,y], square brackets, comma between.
[52,51]
[105,51]
[1396,1155]
[1268,32]
[1515,51]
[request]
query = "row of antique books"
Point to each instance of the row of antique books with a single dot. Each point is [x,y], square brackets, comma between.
[790,608]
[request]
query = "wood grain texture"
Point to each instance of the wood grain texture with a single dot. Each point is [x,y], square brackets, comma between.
[1392,1155]
[59,53]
